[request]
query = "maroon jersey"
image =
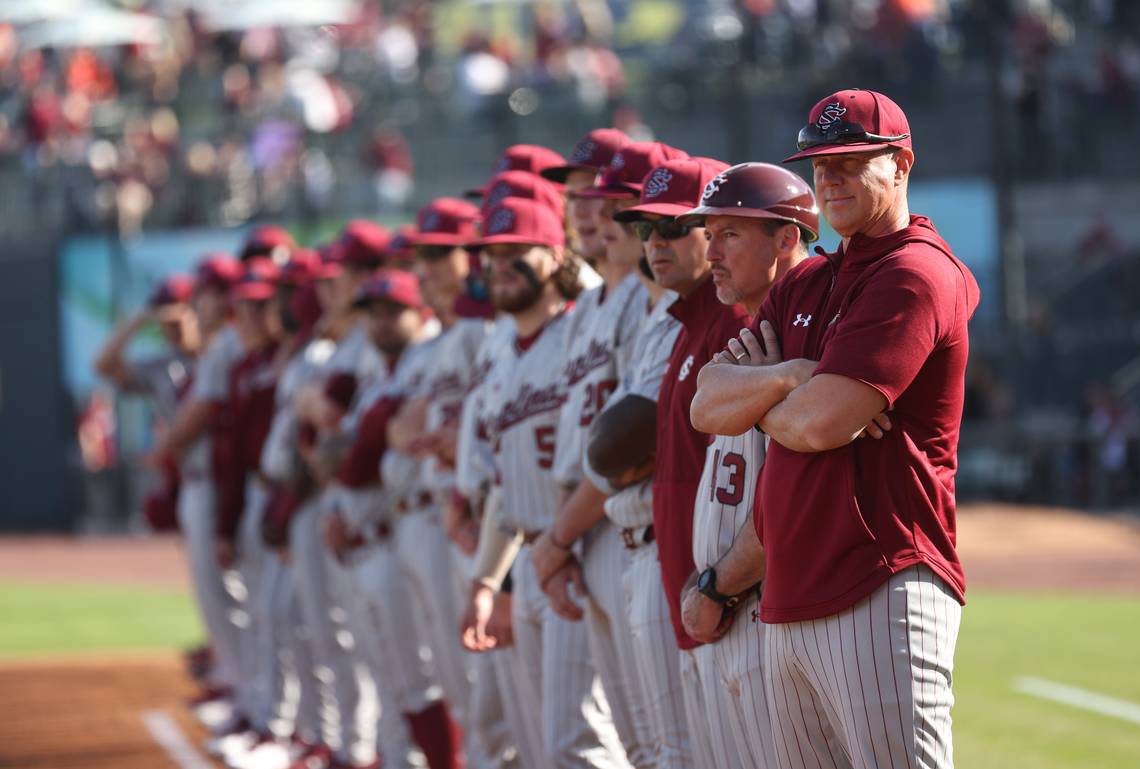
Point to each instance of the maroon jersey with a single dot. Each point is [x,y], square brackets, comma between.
[890,312]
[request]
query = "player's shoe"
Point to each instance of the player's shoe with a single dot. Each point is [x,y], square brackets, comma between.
[316,757]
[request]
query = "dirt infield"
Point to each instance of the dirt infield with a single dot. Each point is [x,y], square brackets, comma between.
[88,714]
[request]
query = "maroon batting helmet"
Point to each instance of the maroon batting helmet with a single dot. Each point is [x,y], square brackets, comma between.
[759,191]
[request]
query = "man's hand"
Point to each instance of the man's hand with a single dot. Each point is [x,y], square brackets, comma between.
[746,351]
[225,552]
[443,444]
[548,556]
[562,586]
[473,631]
[407,426]
[877,427]
[704,619]
[501,625]
[337,538]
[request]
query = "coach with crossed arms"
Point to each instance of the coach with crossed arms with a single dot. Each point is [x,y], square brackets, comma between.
[862,587]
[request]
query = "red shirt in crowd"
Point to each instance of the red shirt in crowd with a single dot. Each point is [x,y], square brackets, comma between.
[891,312]
[706,326]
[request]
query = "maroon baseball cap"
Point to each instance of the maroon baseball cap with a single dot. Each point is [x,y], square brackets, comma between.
[174,289]
[673,188]
[520,184]
[362,243]
[399,286]
[446,222]
[267,240]
[627,171]
[400,250]
[852,121]
[301,268]
[518,220]
[593,153]
[259,282]
[522,157]
[217,271]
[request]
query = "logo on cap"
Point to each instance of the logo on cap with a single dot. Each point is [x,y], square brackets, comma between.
[497,193]
[714,186]
[432,220]
[618,162]
[584,151]
[830,115]
[503,164]
[658,183]
[501,221]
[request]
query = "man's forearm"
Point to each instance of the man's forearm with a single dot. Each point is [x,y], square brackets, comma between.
[744,564]
[496,551]
[189,423]
[582,510]
[731,399]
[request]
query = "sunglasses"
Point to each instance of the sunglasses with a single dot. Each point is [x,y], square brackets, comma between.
[667,229]
[841,133]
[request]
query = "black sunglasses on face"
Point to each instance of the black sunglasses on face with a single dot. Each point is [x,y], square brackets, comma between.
[667,229]
[841,132]
[433,253]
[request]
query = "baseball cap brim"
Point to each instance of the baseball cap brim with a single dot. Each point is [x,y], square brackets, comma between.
[840,149]
[559,174]
[476,192]
[610,192]
[636,213]
[253,292]
[696,217]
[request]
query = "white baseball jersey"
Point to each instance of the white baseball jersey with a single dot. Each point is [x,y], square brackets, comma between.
[474,456]
[211,383]
[356,354]
[452,376]
[603,328]
[726,493]
[523,397]
[402,474]
[162,378]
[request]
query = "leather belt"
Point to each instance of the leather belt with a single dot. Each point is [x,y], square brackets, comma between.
[379,531]
[530,536]
[631,539]
[419,501]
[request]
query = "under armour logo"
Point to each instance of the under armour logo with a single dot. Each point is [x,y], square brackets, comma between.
[830,115]
[584,151]
[802,320]
[502,220]
[713,186]
[431,221]
[686,367]
[658,183]
[755,615]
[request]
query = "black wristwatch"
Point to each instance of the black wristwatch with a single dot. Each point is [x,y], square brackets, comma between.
[706,586]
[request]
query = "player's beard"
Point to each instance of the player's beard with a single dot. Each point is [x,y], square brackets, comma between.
[521,299]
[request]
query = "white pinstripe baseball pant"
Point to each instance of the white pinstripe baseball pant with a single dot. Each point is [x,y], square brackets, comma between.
[559,680]
[869,687]
[656,662]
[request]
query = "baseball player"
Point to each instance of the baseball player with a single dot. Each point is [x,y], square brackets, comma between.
[523,245]
[162,377]
[602,331]
[372,481]
[673,252]
[188,442]
[531,158]
[346,361]
[862,583]
[758,219]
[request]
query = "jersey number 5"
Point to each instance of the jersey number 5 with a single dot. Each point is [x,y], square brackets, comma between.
[732,492]
[544,446]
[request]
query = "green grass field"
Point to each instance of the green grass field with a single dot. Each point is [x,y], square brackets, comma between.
[1088,642]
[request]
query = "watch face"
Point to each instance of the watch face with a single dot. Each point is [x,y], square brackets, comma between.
[706,579]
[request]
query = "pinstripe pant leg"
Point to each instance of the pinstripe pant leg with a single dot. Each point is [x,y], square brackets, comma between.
[604,561]
[715,717]
[527,612]
[657,662]
[894,654]
[700,741]
[739,658]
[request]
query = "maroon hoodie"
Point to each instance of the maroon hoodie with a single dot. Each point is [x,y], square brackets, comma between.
[891,312]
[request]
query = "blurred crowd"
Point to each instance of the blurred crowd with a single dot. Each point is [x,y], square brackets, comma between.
[223,118]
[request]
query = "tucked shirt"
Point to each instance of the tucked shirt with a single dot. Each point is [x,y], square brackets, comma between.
[890,312]
[706,326]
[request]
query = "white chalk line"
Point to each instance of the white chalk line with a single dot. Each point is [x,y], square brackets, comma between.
[1079,698]
[168,734]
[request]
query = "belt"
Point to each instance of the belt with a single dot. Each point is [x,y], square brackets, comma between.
[530,536]
[421,500]
[631,539]
[378,532]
